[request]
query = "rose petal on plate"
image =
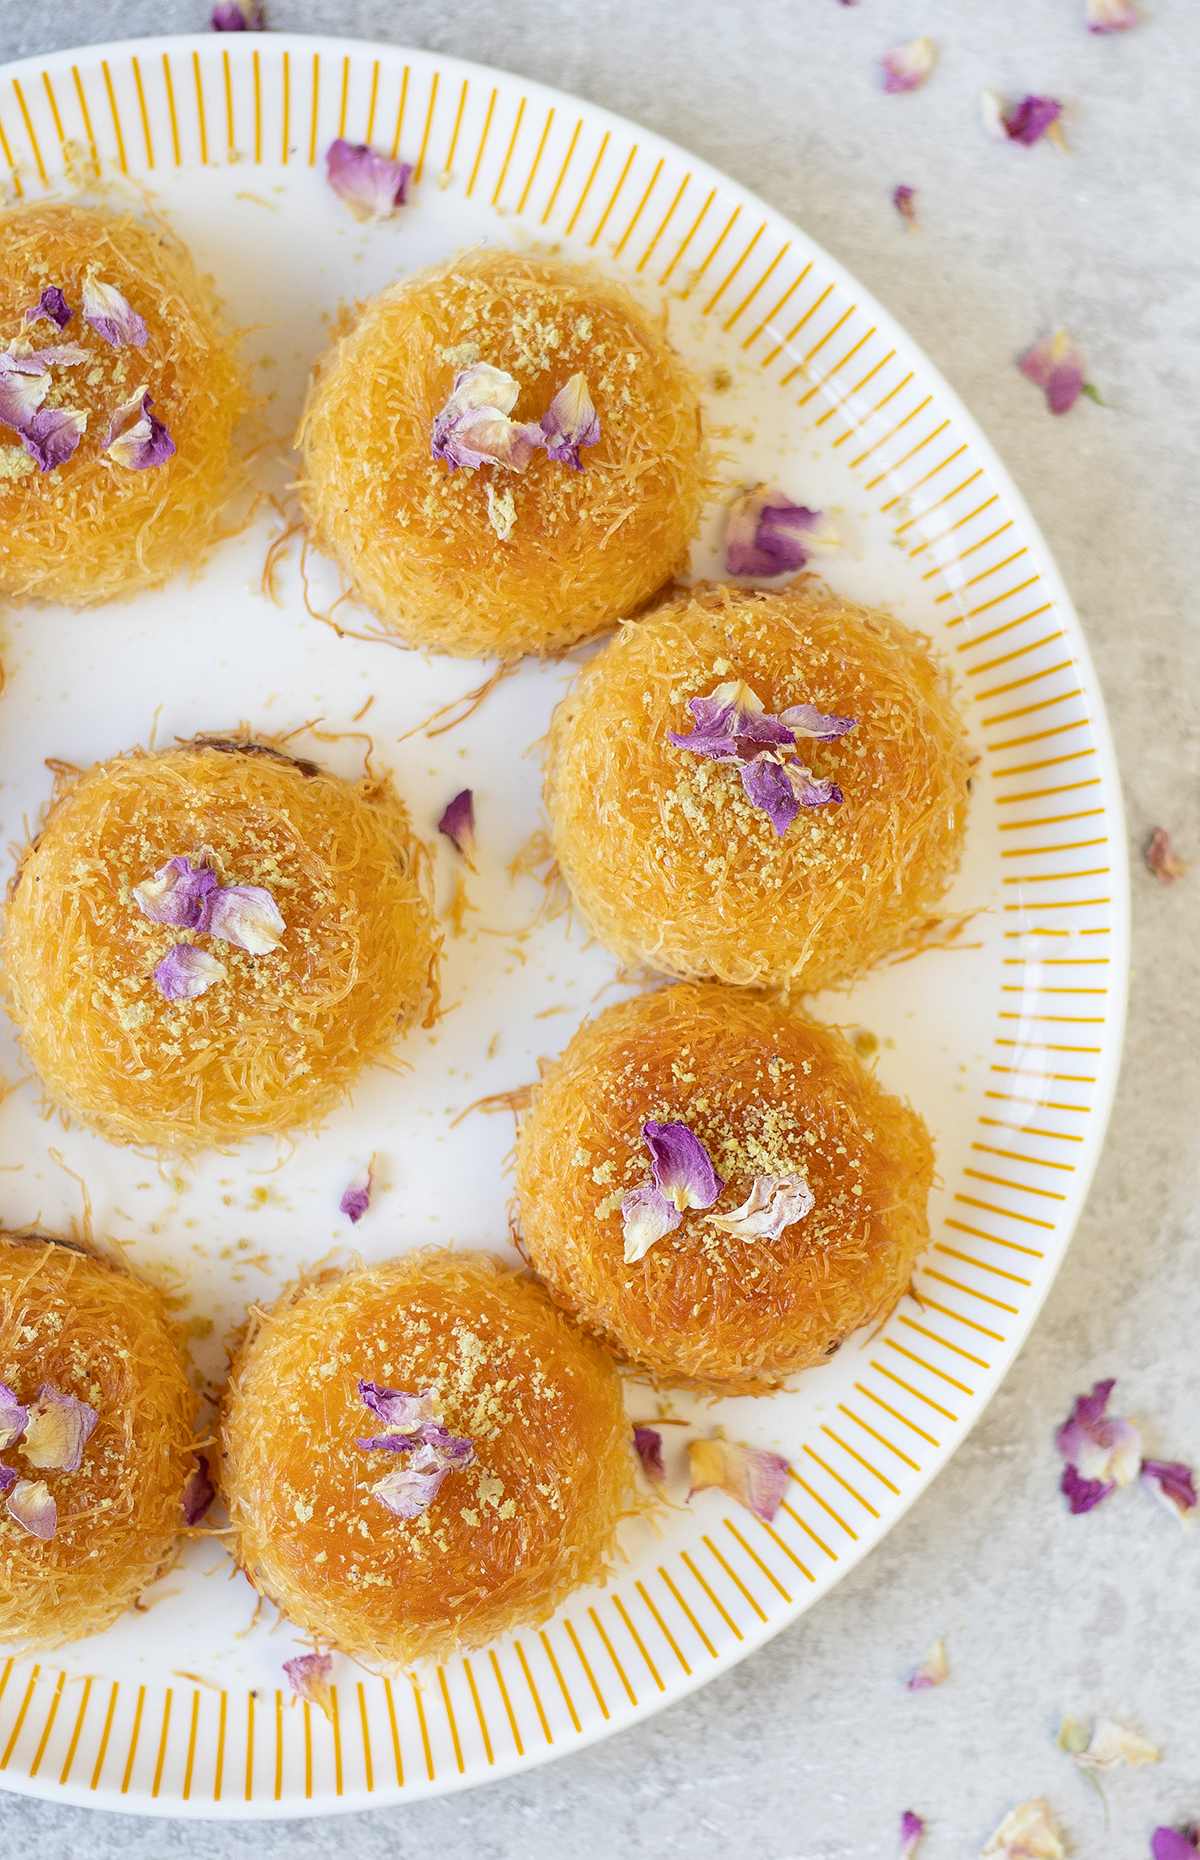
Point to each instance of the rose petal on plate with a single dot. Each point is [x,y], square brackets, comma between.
[398,1408]
[356,1197]
[1026,1833]
[1031,119]
[52,436]
[310,1674]
[53,306]
[911,1830]
[768,786]
[646,1216]
[112,316]
[30,1502]
[198,1491]
[1172,1483]
[176,893]
[57,1430]
[774,1203]
[137,439]
[807,720]
[13,1417]
[185,972]
[754,1477]
[569,422]
[767,534]
[458,825]
[683,1170]
[933,1670]
[1160,857]
[1111,1744]
[1174,1844]
[245,915]
[8,1478]
[1054,365]
[234,16]
[906,67]
[411,1489]
[371,185]
[1110,16]
[904,199]
[648,1446]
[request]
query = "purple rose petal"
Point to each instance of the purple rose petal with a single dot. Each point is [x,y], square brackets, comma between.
[646,1216]
[57,1430]
[176,894]
[13,1417]
[807,720]
[309,1674]
[411,1489]
[454,1450]
[8,1478]
[1172,1483]
[245,915]
[387,1443]
[683,1170]
[458,825]
[773,1204]
[369,184]
[768,787]
[1172,1844]
[53,306]
[934,1669]
[1102,1452]
[648,1445]
[911,1830]
[112,316]
[185,972]
[767,534]
[396,1407]
[813,793]
[231,16]
[1162,859]
[753,1477]
[22,392]
[906,67]
[1083,1494]
[904,200]
[31,1504]
[137,439]
[1053,364]
[1030,119]
[198,1491]
[731,724]
[569,422]
[356,1198]
[52,436]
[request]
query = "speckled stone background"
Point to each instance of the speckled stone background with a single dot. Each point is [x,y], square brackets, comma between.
[811,1748]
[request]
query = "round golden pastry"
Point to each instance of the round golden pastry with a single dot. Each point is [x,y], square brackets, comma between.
[277,1038]
[97,527]
[89,1330]
[504,1538]
[668,861]
[492,561]
[768,1093]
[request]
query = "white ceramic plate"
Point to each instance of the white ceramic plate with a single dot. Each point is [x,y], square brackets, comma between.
[1008,1044]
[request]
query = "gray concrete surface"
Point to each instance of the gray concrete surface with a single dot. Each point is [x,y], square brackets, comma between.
[811,1749]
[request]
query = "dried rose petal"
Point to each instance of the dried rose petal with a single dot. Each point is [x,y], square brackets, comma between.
[1053,364]
[648,1445]
[1101,1453]
[933,1670]
[50,355]
[454,1450]
[811,792]
[53,306]
[186,972]
[769,786]
[1109,1745]
[774,1202]
[112,316]
[22,391]
[310,1674]
[569,422]
[236,16]
[52,436]
[1172,1844]
[646,1217]
[904,200]
[357,1196]
[807,720]
[458,825]
[473,428]
[1031,119]
[767,534]
[1110,16]
[136,439]
[755,1478]
[1160,857]
[176,894]
[57,1430]
[245,915]
[732,724]
[1172,1483]
[911,1830]
[198,1491]
[31,1504]
[411,1489]
[906,67]
[8,1478]
[13,1417]
[369,184]
[396,1407]
[683,1170]
[1026,1833]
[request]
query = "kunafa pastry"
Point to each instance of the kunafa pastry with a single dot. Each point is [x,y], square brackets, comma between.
[503,455]
[98,1472]
[119,392]
[209,942]
[763,788]
[421,1455]
[717,1188]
